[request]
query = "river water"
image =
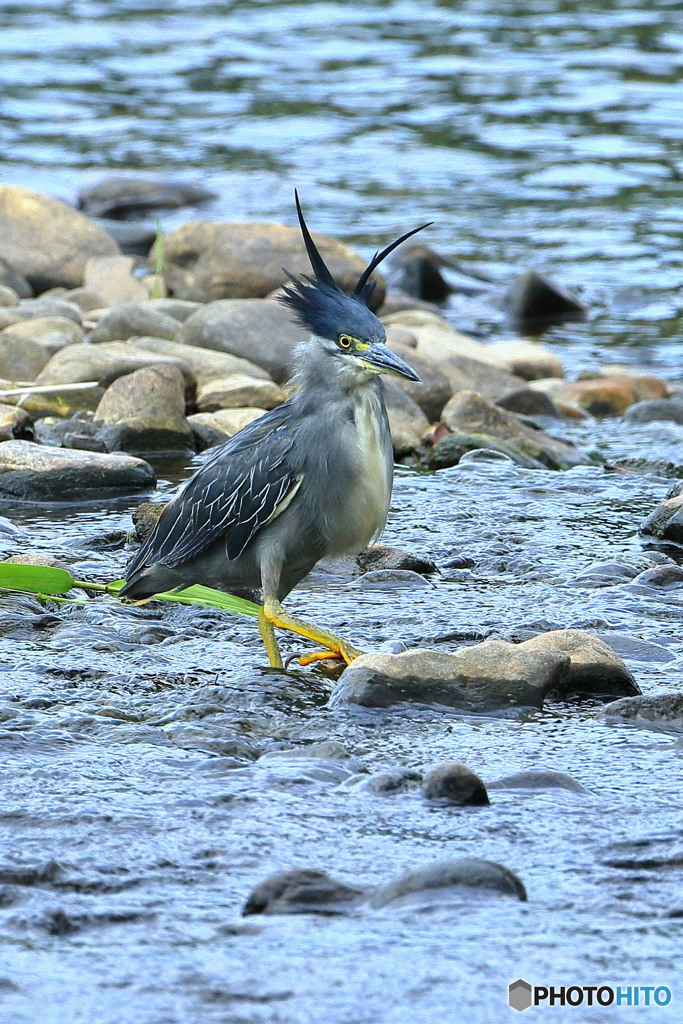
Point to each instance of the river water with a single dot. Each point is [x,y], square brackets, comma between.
[545,135]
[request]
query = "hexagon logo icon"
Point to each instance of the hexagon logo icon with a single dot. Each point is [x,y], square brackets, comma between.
[519,995]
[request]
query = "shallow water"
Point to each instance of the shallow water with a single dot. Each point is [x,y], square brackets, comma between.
[543,135]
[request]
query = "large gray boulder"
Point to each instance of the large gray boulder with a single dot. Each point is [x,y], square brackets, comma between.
[207,260]
[260,330]
[134,319]
[47,242]
[595,669]
[206,365]
[144,412]
[31,472]
[490,676]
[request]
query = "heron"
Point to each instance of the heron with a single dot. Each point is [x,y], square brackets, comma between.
[310,479]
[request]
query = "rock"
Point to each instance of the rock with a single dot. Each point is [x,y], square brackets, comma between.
[207,433]
[8,296]
[664,711]
[527,402]
[595,669]
[398,302]
[401,336]
[51,333]
[330,749]
[471,413]
[132,239]
[239,391]
[645,386]
[489,676]
[392,579]
[78,431]
[14,422]
[647,467]
[49,306]
[20,358]
[133,319]
[666,522]
[534,303]
[455,783]
[302,891]
[420,274]
[377,556]
[259,330]
[104,363]
[145,518]
[668,410]
[469,873]
[9,278]
[395,780]
[46,241]
[179,309]
[59,401]
[668,577]
[9,316]
[602,397]
[432,394]
[145,412]
[31,472]
[543,778]
[36,558]
[452,448]
[121,196]
[85,299]
[205,260]
[406,420]
[205,364]
[225,421]
[526,359]
[111,277]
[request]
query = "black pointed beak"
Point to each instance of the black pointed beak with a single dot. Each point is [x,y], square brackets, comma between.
[382,360]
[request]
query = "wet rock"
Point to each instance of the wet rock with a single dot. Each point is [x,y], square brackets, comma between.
[602,397]
[377,556]
[14,422]
[259,330]
[104,363]
[224,422]
[46,241]
[668,577]
[20,358]
[490,676]
[526,359]
[302,891]
[36,558]
[77,431]
[542,778]
[534,303]
[206,365]
[666,521]
[145,518]
[595,669]
[453,782]
[666,410]
[407,422]
[471,413]
[206,260]
[527,402]
[606,574]
[8,296]
[664,711]
[645,386]
[469,873]
[394,780]
[392,579]
[420,274]
[452,448]
[330,749]
[647,467]
[52,333]
[10,278]
[432,394]
[134,319]
[111,277]
[145,412]
[239,391]
[31,472]
[120,196]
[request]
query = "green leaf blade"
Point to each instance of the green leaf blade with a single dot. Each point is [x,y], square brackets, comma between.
[35,579]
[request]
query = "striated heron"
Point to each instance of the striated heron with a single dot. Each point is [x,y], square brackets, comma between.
[312,478]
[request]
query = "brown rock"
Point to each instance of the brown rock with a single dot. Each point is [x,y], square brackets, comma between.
[526,359]
[598,397]
[52,333]
[14,422]
[239,391]
[435,388]
[111,277]
[594,669]
[454,782]
[206,365]
[21,358]
[134,319]
[145,412]
[104,363]
[205,261]
[46,241]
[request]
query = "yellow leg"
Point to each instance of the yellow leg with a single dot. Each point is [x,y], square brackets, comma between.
[276,615]
[268,635]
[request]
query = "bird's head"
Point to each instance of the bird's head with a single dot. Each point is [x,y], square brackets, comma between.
[343,324]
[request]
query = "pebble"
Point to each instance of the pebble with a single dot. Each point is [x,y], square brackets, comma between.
[453,782]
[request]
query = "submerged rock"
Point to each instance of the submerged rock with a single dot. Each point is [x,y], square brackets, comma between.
[470,874]
[302,891]
[145,518]
[377,556]
[540,778]
[145,412]
[595,669]
[31,472]
[393,780]
[489,676]
[656,410]
[47,242]
[534,303]
[207,260]
[122,196]
[666,521]
[449,451]
[453,782]
[664,711]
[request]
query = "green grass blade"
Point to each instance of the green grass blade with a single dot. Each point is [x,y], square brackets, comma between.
[35,579]
[216,598]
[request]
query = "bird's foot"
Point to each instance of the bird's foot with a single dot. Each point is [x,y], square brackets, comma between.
[345,652]
[272,614]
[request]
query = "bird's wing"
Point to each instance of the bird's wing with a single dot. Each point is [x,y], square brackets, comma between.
[242,486]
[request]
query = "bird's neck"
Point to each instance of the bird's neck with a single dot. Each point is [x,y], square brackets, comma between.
[320,371]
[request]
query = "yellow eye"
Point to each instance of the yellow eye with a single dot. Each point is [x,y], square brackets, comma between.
[345,341]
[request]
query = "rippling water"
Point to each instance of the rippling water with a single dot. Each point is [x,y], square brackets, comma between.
[544,134]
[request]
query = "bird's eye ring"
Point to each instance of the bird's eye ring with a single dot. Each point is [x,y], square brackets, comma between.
[345,341]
